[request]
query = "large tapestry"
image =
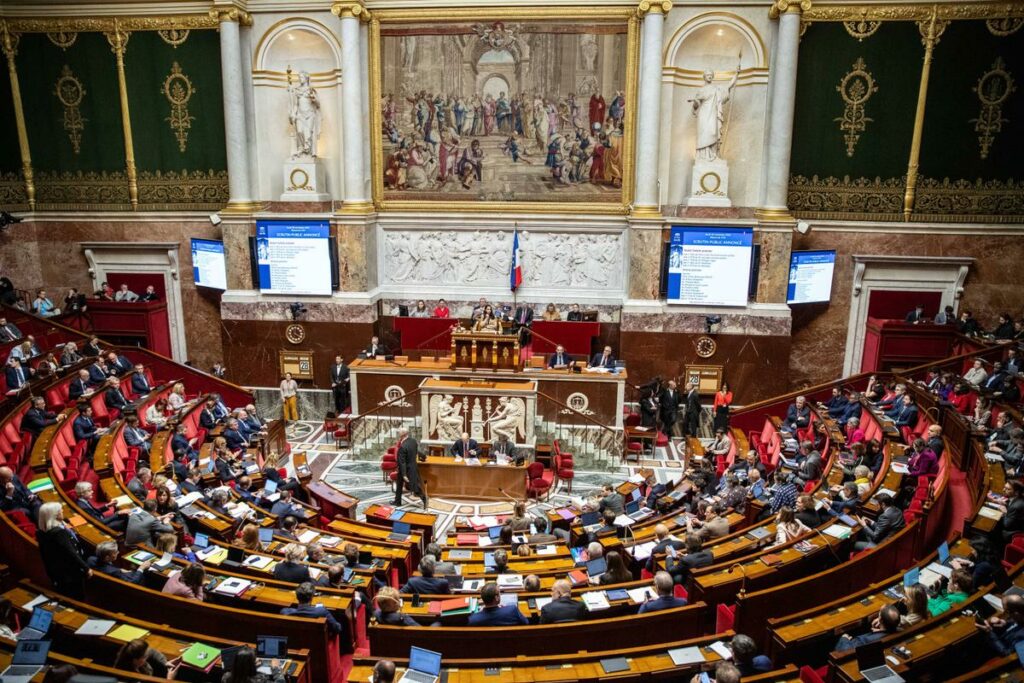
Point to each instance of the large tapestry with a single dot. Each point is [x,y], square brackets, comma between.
[505,111]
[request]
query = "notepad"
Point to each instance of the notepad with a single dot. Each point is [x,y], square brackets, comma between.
[127,632]
[258,561]
[200,656]
[595,601]
[547,550]
[95,627]
[35,602]
[837,531]
[233,586]
[721,649]
[510,580]
[460,554]
[308,536]
[641,595]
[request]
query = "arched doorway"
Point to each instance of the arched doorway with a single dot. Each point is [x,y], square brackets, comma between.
[495,86]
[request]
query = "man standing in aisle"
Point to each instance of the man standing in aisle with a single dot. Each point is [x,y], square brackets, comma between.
[692,409]
[340,384]
[408,469]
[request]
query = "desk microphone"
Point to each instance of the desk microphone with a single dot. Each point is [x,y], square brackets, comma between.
[743,583]
[502,492]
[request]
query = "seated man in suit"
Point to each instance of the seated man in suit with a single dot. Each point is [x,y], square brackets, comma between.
[208,417]
[106,556]
[503,447]
[114,397]
[562,607]
[14,495]
[84,428]
[853,409]
[150,294]
[889,521]
[140,383]
[798,416]
[249,421]
[493,613]
[220,411]
[192,482]
[254,418]
[605,359]
[118,365]
[916,315]
[98,373]
[375,348]
[284,506]
[85,497]
[559,359]
[145,526]
[465,447]
[1005,632]
[304,595]
[663,542]
[611,499]
[233,435]
[888,621]
[180,464]
[8,331]
[574,315]
[665,588]
[906,416]
[37,418]
[80,386]
[135,436]
[427,583]
[680,566]
[995,382]
[16,375]
[139,485]
[181,441]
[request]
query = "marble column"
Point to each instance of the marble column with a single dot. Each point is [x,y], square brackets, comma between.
[355,199]
[780,121]
[235,124]
[646,200]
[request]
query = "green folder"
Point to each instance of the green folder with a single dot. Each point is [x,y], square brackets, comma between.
[200,656]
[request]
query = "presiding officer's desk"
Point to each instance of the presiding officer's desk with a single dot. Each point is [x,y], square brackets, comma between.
[456,478]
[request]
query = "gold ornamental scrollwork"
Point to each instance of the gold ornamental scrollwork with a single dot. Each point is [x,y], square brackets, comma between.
[1004,26]
[993,89]
[914,12]
[780,7]
[846,198]
[856,87]
[70,92]
[63,39]
[178,90]
[174,36]
[862,28]
[989,201]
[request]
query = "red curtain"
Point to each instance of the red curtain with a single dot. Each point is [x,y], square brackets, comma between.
[895,304]
[137,282]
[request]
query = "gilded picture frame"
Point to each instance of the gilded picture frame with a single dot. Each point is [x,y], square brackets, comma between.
[385,20]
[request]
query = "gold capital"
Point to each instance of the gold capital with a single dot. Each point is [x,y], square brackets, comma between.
[233,14]
[350,9]
[10,48]
[653,7]
[780,7]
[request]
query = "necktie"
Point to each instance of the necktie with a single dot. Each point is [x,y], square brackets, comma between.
[21,376]
[522,318]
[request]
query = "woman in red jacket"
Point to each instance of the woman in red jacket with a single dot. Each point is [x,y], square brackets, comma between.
[723,399]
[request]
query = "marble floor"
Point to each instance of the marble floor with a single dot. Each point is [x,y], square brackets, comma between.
[362,478]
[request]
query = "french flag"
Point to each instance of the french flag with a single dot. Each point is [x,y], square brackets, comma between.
[516,272]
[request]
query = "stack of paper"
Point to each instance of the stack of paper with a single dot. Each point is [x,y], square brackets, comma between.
[308,536]
[511,581]
[641,551]
[329,541]
[234,586]
[721,649]
[595,600]
[547,550]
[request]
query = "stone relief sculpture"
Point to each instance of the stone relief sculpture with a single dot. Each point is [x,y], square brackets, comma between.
[509,419]
[304,116]
[483,258]
[446,420]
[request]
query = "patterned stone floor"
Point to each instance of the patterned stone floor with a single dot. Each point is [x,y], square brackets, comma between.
[363,479]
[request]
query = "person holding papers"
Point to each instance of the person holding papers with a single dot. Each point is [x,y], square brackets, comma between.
[493,613]
[465,447]
[665,588]
[562,608]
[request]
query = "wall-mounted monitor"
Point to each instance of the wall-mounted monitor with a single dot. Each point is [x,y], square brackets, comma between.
[709,266]
[294,257]
[810,277]
[208,267]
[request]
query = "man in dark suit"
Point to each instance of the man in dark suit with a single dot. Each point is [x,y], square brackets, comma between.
[669,406]
[916,315]
[340,384]
[304,595]
[574,315]
[559,359]
[93,348]
[37,418]
[427,583]
[1013,519]
[853,409]
[114,398]
[408,469]
[79,386]
[135,436]
[180,441]
[465,447]
[665,588]
[284,506]
[193,481]
[890,520]
[663,542]
[888,622]
[693,409]
[935,442]
[503,447]
[605,359]
[8,331]
[906,416]
[106,556]
[232,434]
[562,607]
[996,380]
[84,428]
[14,495]
[207,418]
[17,376]
[145,526]
[493,613]
[140,383]
[118,365]
[98,372]
[180,464]
[375,348]
[681,566]
[1004,633]
[798,415]
[522,319]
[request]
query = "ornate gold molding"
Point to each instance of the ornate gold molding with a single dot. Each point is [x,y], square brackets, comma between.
[653,7]
[173,36]
[862,28]
[846,198]
[780,7]
[178,90]
[1004,26]
[169,190]
[69,90]
[351,9]
[993,88]
[10,47]
[989,201]
[855,87]
[66,190]
[118,39]
[62,39]
[233,14]
[105,24]
[13,196]
[913,12]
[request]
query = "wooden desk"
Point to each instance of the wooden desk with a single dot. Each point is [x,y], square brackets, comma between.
[445,477]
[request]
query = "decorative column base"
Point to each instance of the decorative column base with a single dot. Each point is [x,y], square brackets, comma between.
[242,208]
[356,208]
[769,215]
[709,184]
[646,212]
[303,181]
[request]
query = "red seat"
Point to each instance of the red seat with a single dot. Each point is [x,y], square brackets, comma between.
[809,675]
[388,466]
[725,617]
[564,469]
[536,483]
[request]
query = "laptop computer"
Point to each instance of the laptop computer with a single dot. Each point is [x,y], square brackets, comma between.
[881,674]
[271,646]
[635,494]
[227,656]
[632,506]
[38,625]
[399,531]
[29,658]
[266,537]
[944,553]
[596,567]
[236,554]
[366,557]
[269,487]
[590,518]
[424,666]
[201,541]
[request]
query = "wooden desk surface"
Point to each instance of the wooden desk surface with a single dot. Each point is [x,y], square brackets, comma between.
[443,365]
[448,477]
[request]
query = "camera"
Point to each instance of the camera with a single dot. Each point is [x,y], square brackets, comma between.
[710,321]
[297,310]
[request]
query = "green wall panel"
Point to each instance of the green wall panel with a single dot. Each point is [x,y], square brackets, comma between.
[949,144]
[91,61]
[148,63]
[827,52]
[10,160]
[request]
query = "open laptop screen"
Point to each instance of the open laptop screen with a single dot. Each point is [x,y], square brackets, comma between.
[33,652]
[425,661]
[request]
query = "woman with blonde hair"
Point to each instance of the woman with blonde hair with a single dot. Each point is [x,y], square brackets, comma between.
[176,399]
[389,608]
[551,313]
[788,527]
[250,537]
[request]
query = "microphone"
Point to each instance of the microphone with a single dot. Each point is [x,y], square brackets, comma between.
[502,492]
[743,582]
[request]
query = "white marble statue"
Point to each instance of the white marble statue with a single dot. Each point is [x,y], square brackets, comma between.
[709,108]
[445,417]
[509,419]
[304,116]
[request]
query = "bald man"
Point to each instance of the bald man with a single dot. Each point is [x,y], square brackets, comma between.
[1004,633]
[465,447]
[562,607]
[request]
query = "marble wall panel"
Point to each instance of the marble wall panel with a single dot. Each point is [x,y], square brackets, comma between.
[352,257]
[773,273]
[236,253]
[644,263]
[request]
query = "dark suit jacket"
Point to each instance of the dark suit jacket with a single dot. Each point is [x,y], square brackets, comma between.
[798,417]
[115,399]
[84,428]
[381,350]
[120,366]
[140,385]
[503,448]
[77,387]
[853,409]
[407,466]
[693,402]
[460,450]
[207,420]
[13,380]
[9,332]
[144,528]
[508,615]
[889,521]
[20,499]
[553,360]
[614,502]
[91,510]
[283,509]
[189,487]
[62,555]
[681,566]
[561,610]
[520,311]
[906,416]
[433,585]
[291,571]
[235,439]
[340,374]
[1013,520]
[36,420]
[574,316]
[315,611]
[660,603]
[96,375]
[669,405]
[598,362]
[118,573]
[995,381]
[913,317]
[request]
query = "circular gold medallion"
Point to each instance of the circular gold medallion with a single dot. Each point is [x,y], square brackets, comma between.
[710,182]
[298,179]
[706,346]
[295,334]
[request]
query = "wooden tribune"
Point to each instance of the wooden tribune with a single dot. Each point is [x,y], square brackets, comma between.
[483,351]
[445,477]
